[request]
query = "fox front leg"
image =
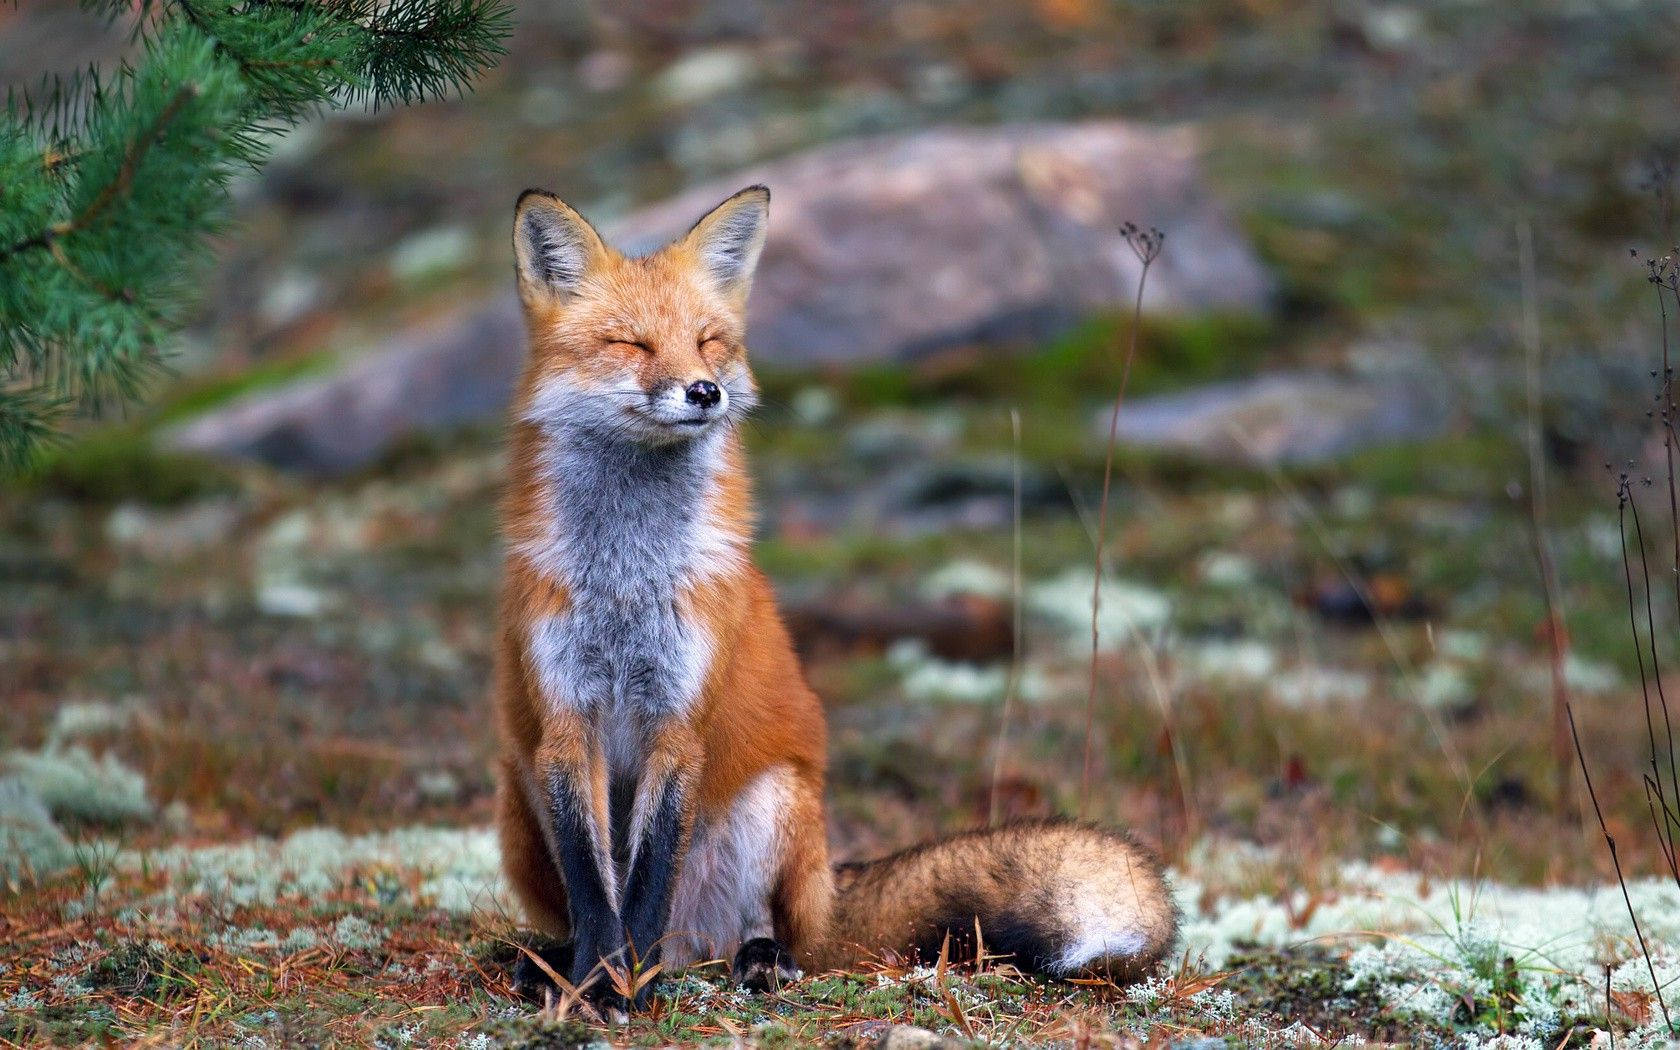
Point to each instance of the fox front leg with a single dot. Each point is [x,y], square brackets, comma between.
[572,773]
[658,831]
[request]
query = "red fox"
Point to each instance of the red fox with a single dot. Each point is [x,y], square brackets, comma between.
[661,756]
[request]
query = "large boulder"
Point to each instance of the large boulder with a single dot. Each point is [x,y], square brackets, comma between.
[456,372]
[1294,418]
[888,247]
[879,249]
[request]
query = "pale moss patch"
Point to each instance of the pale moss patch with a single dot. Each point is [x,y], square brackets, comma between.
[1127,611]
[1311,686]
[94,718]
[459,870]
[928,678]
[965,577]
[1516,959]
[31,844]
[72,782]
[1236,660]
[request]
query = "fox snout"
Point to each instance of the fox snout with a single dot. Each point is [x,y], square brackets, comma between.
[688,404]
[703,392]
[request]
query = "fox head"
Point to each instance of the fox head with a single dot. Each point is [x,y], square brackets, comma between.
[646,349]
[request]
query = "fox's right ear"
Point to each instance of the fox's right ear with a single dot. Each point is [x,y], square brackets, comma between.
[553,246]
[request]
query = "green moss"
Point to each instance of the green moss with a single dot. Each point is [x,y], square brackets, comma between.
[1308,985]
[537,1032]
[1072,369]
[118,464]
[196,396]
[1474,466]
[138,969]
[68,1024]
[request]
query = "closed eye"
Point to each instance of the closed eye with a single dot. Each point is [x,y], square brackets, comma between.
[638,344]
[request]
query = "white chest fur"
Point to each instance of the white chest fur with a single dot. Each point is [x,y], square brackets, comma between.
[723,892]
[631,535]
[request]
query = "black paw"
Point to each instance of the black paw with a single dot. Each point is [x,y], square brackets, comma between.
[531,981]
[604,999]
[763,965]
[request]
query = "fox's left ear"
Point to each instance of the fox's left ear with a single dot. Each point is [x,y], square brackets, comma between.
[727,241]
[554,248]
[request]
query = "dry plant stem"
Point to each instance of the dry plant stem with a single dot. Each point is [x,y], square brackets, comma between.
[1557,634]
[1656,667]
[1437,729]
[1016,655]
[1662,809]
[1666,413]
[1152,672]
[1102,528]
[1609,1022]
[1615,859]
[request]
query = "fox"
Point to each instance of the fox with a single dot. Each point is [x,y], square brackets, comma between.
[661,758]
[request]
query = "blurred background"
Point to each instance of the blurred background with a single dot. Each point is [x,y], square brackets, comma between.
[267,596]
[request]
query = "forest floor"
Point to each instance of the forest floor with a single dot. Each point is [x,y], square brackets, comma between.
[245,764]
[252,736]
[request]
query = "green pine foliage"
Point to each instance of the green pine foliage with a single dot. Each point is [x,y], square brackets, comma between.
[110,184]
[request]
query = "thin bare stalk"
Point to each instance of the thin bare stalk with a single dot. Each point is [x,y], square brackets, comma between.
[1016,654]
[1609,1025]
[1665,412]
[1557,632]
[1615,859]
[1656,668]
[1152,673]
[1385,631]
[1146,245]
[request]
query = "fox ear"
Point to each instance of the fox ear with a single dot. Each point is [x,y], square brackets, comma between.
[727,241]
[553,246]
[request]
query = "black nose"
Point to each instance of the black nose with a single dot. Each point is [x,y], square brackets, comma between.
[704,393]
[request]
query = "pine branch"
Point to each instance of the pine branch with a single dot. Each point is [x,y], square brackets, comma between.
[27,419]
[424,49]
[118,186]
[110,183]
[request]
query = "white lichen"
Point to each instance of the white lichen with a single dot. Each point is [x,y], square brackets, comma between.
[1239,660]
[1127,612]
[31,844]
[72,782]
[965,577]
[927,678]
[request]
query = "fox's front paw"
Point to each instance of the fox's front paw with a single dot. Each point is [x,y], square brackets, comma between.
[763,965]
[530,980]
[602,985]
[606,1001]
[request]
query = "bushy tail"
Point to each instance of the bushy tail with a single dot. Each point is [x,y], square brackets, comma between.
[1054,896]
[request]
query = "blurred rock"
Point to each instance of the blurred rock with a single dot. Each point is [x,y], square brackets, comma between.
[879,248]
[605,70]
[1281,419]
[454,372]
[888,247]
[1376,596]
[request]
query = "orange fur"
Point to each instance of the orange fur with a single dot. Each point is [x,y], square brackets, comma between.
[654,317]
[664,320]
